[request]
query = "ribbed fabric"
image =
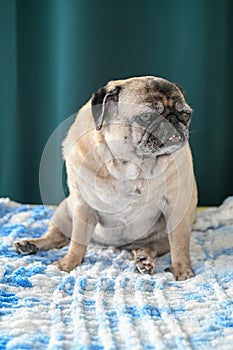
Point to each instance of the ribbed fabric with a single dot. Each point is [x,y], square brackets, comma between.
[105,303]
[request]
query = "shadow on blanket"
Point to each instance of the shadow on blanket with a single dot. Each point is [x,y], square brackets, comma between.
[105,303]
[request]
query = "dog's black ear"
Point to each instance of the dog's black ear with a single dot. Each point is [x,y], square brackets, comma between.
[101,104]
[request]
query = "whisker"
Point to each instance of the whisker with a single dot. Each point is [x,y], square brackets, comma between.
[192,131]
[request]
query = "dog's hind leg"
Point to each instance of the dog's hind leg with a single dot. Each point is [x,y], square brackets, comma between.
[57,236]
[144,257]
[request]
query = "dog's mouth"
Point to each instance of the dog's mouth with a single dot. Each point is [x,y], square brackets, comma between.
[161,142]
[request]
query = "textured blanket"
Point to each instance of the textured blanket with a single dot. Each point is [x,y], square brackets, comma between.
[105,303]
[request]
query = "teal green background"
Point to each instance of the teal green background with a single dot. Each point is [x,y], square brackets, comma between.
[56,53]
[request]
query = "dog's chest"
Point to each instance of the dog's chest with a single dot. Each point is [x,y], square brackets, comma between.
[124,192]
[128,211]
[128,202]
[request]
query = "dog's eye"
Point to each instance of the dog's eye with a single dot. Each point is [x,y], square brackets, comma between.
[144,118]
[184,117]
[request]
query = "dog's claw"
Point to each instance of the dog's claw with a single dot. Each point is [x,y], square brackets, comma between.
[144,265]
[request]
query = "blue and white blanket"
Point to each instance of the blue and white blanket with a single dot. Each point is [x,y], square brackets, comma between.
[105,303]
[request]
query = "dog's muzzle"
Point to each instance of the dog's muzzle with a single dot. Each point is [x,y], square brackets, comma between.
[162,137]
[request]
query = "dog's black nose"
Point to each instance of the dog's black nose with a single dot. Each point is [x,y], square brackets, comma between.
[172,118]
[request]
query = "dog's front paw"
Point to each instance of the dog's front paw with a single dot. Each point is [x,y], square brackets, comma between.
[181,271]
[26,247]
[67,263]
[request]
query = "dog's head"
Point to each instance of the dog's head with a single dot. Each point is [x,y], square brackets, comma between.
[144,115]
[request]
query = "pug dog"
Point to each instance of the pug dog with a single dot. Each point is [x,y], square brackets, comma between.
[130,178]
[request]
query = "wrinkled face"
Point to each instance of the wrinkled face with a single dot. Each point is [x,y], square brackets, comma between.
[147,116]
